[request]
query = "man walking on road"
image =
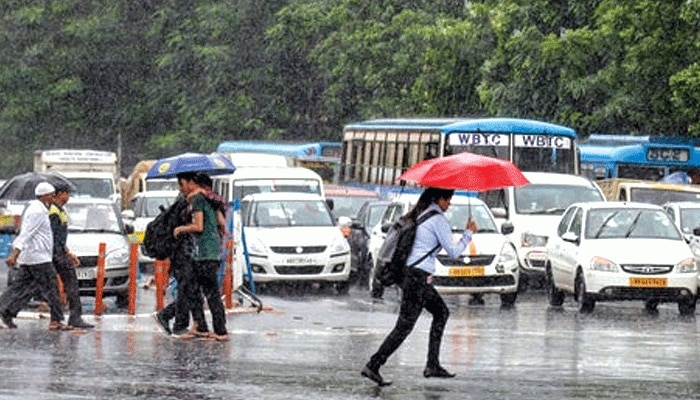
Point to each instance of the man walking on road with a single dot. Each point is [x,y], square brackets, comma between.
[64,261]
[33,251]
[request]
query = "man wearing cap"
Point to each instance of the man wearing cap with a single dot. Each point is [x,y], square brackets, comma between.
[64,261]
[32,250]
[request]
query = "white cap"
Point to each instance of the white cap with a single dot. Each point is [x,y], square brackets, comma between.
[43,188]
[344,221]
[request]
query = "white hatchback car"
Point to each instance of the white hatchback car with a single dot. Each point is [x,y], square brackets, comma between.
[92,221]
[488,265]
[293,237]
[620,251]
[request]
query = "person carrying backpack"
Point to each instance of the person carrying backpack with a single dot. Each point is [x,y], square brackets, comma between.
[417,289]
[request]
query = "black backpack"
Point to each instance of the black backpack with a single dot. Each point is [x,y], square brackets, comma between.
[158,240]
[392,256]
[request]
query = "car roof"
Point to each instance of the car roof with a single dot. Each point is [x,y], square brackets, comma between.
[412,199]
[555,178]
[617,204]
[282,196]
[158,193]
[348,191]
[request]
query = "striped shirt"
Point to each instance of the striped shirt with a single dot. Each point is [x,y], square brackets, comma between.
[433,231]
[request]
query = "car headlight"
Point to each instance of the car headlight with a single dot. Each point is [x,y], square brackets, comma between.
[603,264]
[686,266]
[117,257]
[528,239]
[256,247]
[508,256]
[339,246]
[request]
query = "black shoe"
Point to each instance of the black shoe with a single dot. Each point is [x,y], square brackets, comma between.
[367,372]
[82,325]
[437,372]
[7,321]
[162,323]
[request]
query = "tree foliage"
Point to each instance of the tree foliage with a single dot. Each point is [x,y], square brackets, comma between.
[155,78]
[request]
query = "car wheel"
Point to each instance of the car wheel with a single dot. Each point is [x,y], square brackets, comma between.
[585,303]
[508,299]
[651,306]
[342,287]
[122,300]
[686,306]
[554,295]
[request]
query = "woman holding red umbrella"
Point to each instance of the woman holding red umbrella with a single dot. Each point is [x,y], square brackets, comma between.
[417,289]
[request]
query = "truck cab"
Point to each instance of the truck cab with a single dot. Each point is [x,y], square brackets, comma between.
[94,173]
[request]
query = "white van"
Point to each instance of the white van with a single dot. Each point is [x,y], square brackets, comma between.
[251,180]
[535,211]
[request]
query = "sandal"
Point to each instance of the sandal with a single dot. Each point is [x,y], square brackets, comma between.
[59,326]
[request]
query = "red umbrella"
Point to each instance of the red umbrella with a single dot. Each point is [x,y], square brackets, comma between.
[465,171]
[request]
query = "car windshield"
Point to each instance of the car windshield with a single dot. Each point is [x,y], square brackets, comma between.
[616,223]
[152,206]
[92,218]
[458,214]
[690,219]
[662,196]
[552,199]
[289,213]
[348,206]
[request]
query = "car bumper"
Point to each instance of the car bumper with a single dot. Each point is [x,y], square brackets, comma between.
[116,280]
[471,279]
[610,286]
[532,260]
[336,269]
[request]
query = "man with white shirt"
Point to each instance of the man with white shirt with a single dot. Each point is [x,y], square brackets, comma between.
[32,251]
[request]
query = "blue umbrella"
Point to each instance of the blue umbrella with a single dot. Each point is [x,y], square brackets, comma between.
[212,164]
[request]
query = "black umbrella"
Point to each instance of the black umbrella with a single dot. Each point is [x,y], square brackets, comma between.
[21,187]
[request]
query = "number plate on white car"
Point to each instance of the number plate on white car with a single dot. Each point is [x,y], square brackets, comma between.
[86,273]
[301,260]
[637,281]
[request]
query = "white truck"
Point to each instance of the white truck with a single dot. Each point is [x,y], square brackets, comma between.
[94,173]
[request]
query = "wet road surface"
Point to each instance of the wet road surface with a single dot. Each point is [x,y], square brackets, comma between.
[313,347]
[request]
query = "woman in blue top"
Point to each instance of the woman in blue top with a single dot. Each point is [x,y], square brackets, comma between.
[417,289]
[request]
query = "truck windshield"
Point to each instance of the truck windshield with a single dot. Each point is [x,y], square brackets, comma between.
[92,187]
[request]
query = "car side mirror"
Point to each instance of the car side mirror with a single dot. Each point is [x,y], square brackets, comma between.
[570,237]
[507,228]
[129,229]
[357,224]
[330,203]
[386,227]
[696,231]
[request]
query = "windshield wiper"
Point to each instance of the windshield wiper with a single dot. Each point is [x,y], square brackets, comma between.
[605,222]
[633,224]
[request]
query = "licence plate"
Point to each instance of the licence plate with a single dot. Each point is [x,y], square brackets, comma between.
[87,273]
[467,271]
[300,260]
[637,281]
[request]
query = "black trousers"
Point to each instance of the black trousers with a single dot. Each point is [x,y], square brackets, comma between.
[69,278]
[417,295]
[207,272]
[188,300]
[29,280]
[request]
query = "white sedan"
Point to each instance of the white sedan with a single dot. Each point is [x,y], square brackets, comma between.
[620,251]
